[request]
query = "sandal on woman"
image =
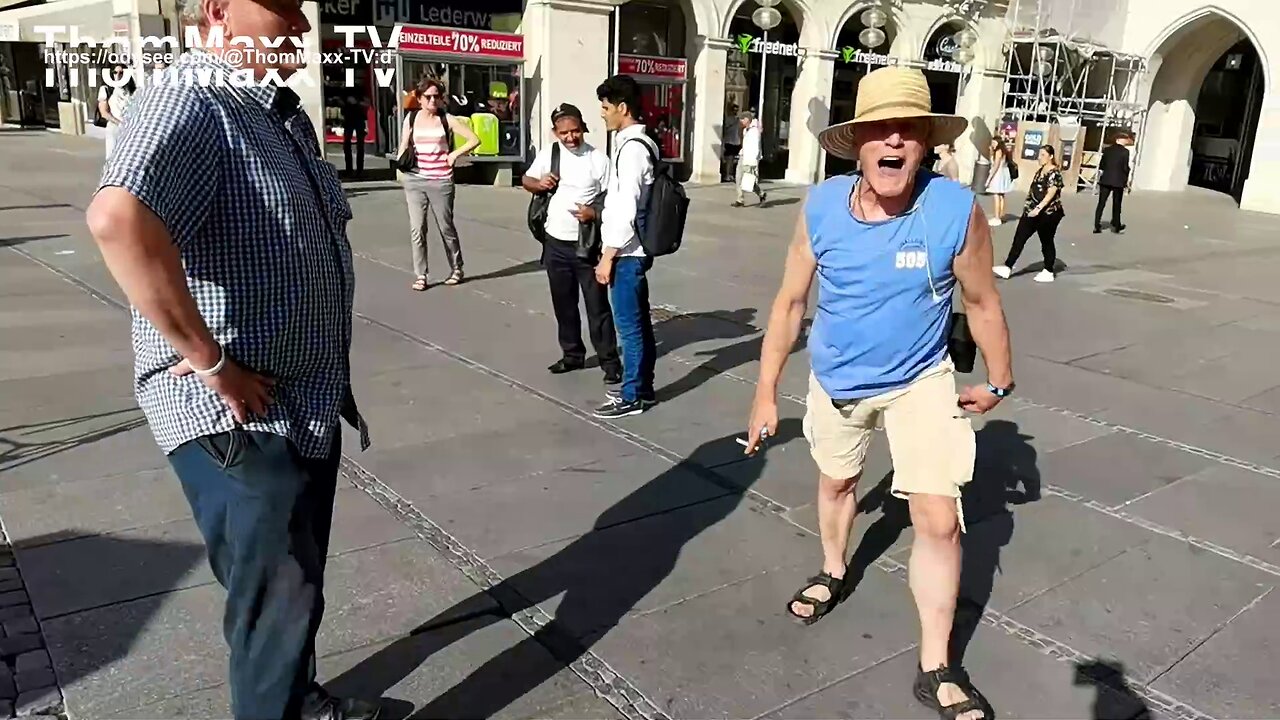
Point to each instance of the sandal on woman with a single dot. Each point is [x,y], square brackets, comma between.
[420,284]
[818,608]
[926,691]
[455,278]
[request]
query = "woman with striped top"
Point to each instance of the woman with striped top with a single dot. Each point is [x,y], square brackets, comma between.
[429,186]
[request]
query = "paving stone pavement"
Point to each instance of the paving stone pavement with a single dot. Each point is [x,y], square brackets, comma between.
[501,552]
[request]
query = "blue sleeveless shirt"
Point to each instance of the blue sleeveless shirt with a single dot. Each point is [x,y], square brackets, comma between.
[884,288]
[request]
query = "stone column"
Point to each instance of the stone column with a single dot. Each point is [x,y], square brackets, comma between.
[981,102]
[810,114]
[566,50]
[310,86]
[707,139]
[1262,188]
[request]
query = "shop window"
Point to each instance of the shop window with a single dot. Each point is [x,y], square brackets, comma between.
[486,96]
[652,29]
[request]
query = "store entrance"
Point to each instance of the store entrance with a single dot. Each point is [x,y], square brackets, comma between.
[777,58]
[1227,116]
[857,58]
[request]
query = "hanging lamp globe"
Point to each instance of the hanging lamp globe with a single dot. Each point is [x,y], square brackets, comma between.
[874,17]
[871,37]
[766,18]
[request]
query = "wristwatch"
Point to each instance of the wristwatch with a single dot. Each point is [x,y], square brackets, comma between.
[1001,393]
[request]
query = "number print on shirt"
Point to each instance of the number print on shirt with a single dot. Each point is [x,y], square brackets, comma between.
[911,259]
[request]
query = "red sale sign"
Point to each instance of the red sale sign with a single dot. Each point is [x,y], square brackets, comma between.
[470,43]
[653,67]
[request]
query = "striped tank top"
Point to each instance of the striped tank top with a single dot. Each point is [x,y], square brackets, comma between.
[432,147]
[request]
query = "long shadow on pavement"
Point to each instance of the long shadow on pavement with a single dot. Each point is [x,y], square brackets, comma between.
[1115,699]
[684,330]
[16,452]
[602,576]
[86,642]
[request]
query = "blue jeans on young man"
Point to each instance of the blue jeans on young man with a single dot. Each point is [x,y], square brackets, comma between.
[630,300]
[265,513]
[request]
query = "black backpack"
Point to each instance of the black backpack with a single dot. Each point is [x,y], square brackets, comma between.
[541,202]
[664,207]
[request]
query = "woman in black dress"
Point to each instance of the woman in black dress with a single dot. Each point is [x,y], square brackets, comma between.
[1042,215]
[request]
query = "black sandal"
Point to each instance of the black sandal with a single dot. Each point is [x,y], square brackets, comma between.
[820,607]
[926,690]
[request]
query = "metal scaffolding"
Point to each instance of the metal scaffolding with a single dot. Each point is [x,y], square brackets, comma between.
[1063,76]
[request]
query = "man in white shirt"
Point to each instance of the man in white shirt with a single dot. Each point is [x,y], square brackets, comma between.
[749,158]
[570,252]
[624,263]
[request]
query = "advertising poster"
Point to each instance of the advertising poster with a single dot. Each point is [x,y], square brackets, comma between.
[1068,154]
[1031,144]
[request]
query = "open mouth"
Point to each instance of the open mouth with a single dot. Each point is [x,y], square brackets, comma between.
[892,162]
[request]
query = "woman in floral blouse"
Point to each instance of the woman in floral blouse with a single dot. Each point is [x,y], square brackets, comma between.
[1041,215]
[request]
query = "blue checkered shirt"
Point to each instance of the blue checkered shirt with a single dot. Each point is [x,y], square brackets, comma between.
[259,218]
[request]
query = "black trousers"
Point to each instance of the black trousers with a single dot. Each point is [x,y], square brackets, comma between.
[349,136]
[1117,203]
[265,512]
[568,275]
[1046,226]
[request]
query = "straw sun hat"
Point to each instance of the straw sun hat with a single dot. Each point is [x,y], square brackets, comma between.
[891,93]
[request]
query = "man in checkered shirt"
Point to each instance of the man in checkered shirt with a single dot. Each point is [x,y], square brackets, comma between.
[227,230]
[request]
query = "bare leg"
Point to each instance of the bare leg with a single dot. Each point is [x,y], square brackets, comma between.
[837,509]
[935,584]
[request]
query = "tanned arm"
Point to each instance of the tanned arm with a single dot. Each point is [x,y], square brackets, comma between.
[785,322]
[985,313]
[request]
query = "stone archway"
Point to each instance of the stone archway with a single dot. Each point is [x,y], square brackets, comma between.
[1208,82]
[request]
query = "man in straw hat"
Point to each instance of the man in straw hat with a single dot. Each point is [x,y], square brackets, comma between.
[888,244]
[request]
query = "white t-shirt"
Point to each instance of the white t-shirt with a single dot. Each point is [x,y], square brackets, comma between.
[583,175]
[118,101]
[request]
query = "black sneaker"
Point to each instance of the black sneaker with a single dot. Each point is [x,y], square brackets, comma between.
[560,367]
[764,198]
[619,408]
[320,705]
[612,377]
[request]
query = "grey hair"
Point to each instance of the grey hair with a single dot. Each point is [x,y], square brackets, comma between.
[746,115]
[191,10]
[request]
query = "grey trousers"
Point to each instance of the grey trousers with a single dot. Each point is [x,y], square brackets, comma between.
[435,197]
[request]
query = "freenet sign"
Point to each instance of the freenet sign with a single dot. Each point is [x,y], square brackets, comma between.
[862,57]
[752,45]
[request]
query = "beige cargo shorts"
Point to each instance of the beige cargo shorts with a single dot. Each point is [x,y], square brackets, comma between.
[930,438]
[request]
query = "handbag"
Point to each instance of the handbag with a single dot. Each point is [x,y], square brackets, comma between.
[408,160]
[540,203]
[960,343]
[748,183]
[1013,170]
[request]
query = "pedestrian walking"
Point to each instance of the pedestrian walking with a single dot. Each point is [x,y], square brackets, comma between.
[113,99]
[1041,216]
[355,119]
[748,176]
[624,264]
[1113,182]
[890,242]
[999,180]
[575,173]
[225,227]
[428,186]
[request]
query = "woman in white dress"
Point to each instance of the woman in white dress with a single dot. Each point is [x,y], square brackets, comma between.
[999,180]
[112,102]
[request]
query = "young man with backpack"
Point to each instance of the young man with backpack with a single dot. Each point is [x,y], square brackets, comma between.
[624,262]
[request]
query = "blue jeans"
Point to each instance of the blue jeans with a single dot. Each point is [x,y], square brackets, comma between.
[264,512]
[630,299]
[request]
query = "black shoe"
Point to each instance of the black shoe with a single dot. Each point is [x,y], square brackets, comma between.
[1097,231]
[737,204]
[612,377]
[562,366]
[320,705]
[764,198]
[619,408]
[1117,229]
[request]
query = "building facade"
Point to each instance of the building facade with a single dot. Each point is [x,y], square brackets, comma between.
[1199,100]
